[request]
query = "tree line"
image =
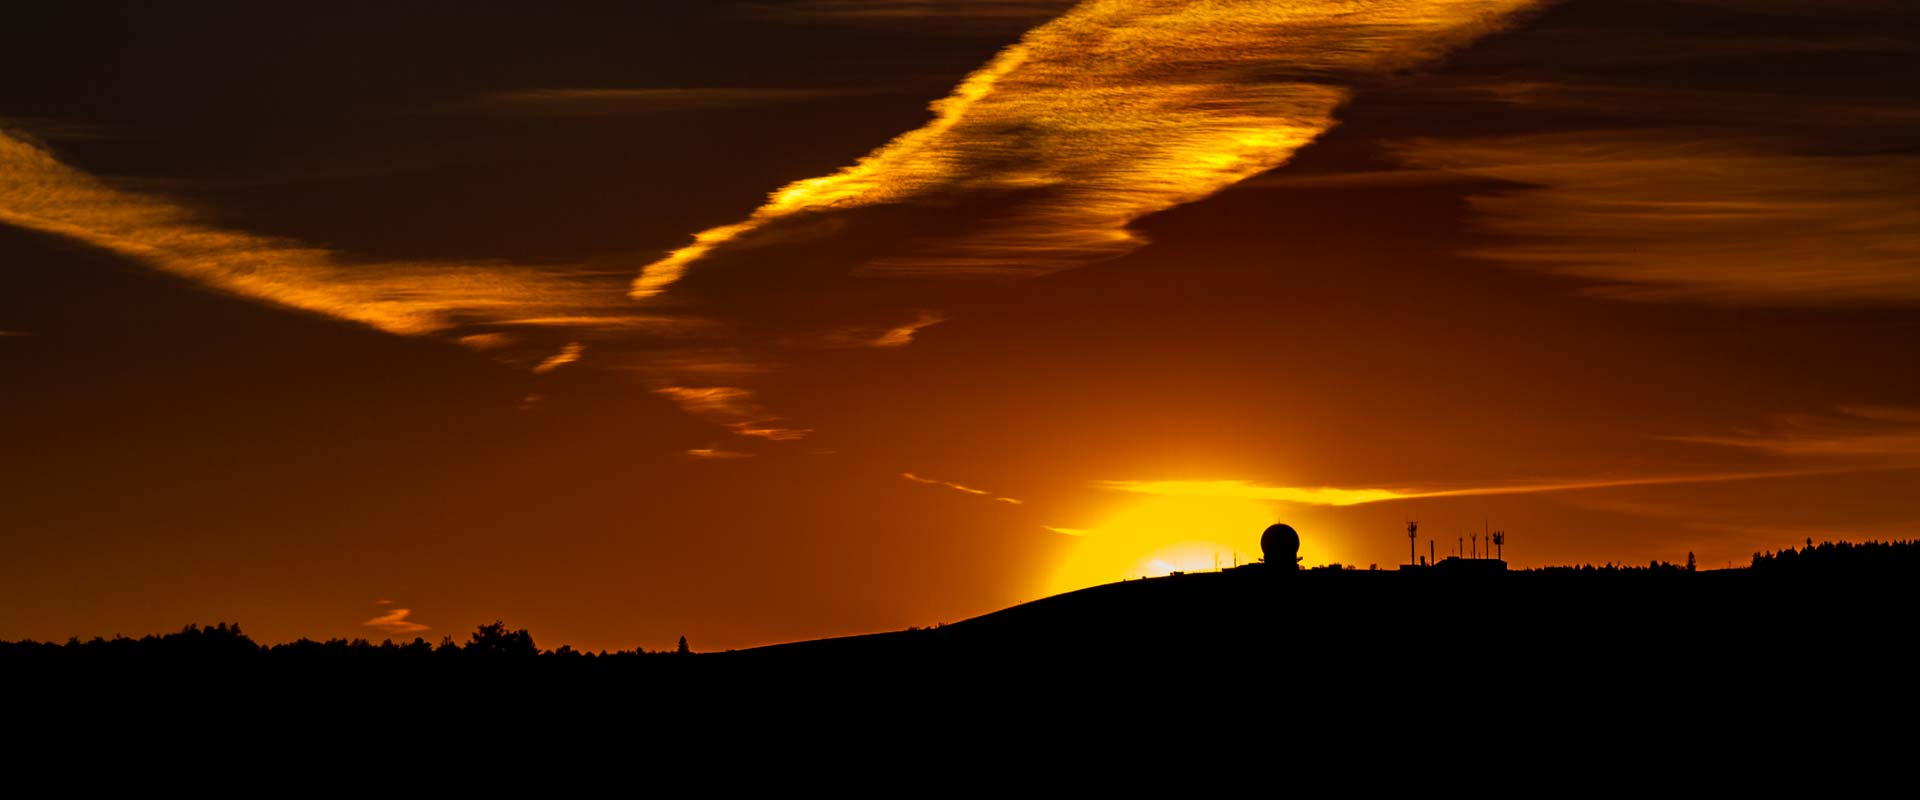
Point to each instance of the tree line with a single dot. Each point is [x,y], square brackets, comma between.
[490,643]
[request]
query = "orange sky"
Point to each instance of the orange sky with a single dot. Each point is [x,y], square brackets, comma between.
[763,321]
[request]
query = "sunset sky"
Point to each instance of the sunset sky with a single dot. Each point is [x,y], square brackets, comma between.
[763,321]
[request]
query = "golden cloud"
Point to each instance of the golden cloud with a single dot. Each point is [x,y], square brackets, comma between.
[1116,110]
[395,622]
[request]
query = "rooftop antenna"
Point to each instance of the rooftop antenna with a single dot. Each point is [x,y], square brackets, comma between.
[1412,528]
[1500,544]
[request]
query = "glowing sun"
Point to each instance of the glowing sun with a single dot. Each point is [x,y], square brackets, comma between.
[1162,535]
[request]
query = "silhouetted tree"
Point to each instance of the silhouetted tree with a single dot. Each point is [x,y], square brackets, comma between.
[1690,565]
[494,639]
[683,646]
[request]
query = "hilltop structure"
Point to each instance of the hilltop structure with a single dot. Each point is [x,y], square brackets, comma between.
[1280,546]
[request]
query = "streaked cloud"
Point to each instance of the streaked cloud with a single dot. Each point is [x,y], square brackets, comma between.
[715,454]
[902,335]
[949,484]
[613,101]
[8,334]
[1695,215]
[1877,433]
[396,622]
[708,362]
[1067,531]
[1329,496]
[1115,110]
[979,14]
[733,408]
[567,355]
[1320,496]
[886,336]
[460,299]
[959,487]
[485,341]
[1693,107]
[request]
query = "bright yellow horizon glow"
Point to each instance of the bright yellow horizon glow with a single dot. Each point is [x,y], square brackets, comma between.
[1162,534]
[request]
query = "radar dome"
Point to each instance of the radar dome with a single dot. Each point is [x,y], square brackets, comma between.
[1280,544]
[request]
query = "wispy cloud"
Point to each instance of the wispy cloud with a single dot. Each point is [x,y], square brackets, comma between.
[567,355]
[613,101]
[1876,433]
[408,298]
[715,454]
[1113,111]
[396,622]
[1329,496]
[984,14]
[886,336]
[1694,215]
[733,408]
[1321,496]
[959,487]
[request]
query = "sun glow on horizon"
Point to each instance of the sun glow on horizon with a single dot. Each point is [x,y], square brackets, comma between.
[1162,535]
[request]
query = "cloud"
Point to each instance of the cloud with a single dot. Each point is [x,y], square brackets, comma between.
[949,484]
[485,341]
[1864,432]
[1734,152]
[882,336]
[1113,111]
[395,622]
[8,334]
[902,335]
[1696,215]
[1247,491]
[733,408]
[972,14]
[959,487]
[467,301]
[715,454]
[609,102]
[1694,107]
[567,355]
[1329,496]
[1067,531]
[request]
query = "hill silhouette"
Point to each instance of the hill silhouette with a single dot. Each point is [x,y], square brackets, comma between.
[1781,610]
[1422,633]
